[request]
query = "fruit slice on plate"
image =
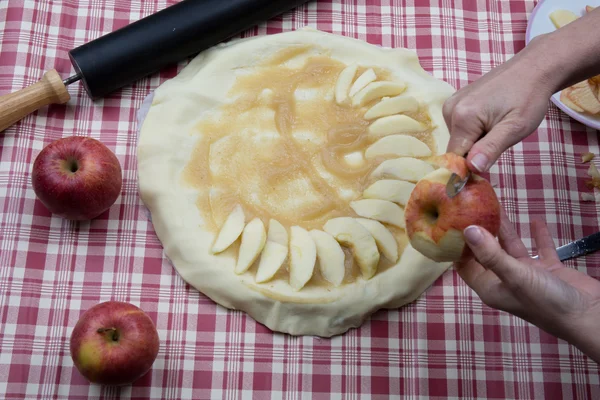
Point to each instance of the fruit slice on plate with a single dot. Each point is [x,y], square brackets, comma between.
[398,145]
[393,124]
[254,238]
[391,106]
[330,255]
[377,90]
[390,190]
[349,232]
[363,80]
[564,97]
[230,231]
[561,18]
[344,80]
[380,210]
[274,252]
[303,256]
[583,95]
[589,8]
[405,168]
[386,243]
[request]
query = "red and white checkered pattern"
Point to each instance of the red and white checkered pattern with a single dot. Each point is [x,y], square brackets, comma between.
[445,345]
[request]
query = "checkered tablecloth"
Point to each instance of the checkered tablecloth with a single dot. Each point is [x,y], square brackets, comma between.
[445,345]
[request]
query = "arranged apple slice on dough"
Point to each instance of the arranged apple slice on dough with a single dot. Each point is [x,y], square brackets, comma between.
[398,145]
[349,232]
[331,257]
[386,242]
[254,238]
[391,106]
[377,90]
[342,85]
[303,256]
[380,210]
[390,190]
[406,169]
[363,80]
[393,124]
[230,231]
[274,252]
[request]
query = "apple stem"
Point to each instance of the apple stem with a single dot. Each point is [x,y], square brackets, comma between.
[115,333]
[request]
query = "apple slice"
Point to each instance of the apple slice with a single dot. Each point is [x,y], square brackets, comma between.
[303,256]
[342,85]
[583,95]
[561,18]
[380,210]
[393,124]
[392,105]
[254,238]
[390,190]
[331,257]
[375,90]
[397,145]
[406,169]
[230,231]
[354,159]
[363,80]
[352,234]
[274,252]
[589,9]
[386,242]
[564,97]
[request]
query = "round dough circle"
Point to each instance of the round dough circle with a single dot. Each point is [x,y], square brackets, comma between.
[166,144]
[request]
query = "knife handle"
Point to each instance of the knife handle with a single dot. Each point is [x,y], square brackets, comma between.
[16,106]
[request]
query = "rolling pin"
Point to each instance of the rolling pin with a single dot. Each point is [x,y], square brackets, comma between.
[141,48]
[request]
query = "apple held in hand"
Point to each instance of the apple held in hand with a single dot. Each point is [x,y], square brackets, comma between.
[77,178]
[114,343]
[435,222]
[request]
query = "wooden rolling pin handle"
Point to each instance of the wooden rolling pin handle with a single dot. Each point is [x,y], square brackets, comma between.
[48,90]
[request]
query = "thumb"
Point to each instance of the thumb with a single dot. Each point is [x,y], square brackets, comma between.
[491,256]
[489,148]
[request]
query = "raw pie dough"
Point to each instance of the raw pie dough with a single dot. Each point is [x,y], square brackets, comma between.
[276,169]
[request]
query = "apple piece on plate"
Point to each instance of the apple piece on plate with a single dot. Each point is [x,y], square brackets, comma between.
[331,257]
[114,343]
[561,18]
[303,256]
[435,222]
[77,178]
[399,146]
[254,238]
[406,168]
[344,80]
[589,8]
[274,253]
[363,80]
[584,96]
[386,242]
[390,190]
[230,231]
[376,90]
[393,124]
[564,97]
[349,232]
[380,210]
[392,105]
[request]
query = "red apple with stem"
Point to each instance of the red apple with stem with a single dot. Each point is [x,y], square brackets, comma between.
[114,343]
[77,178]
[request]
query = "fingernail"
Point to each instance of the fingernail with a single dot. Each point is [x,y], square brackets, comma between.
[473,235]
[480,162]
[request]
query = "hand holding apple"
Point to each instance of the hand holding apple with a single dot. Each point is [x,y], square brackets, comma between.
[114,343]
[77,178]
[435,222]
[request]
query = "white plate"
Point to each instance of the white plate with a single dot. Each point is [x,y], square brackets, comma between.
[540,23]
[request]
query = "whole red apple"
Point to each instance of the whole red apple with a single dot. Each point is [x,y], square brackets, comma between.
[435,222]
[77,178]
[114,343]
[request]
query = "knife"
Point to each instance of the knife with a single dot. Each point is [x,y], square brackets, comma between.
[578,248]
[456,184]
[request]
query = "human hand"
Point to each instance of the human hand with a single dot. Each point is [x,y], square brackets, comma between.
[560,300]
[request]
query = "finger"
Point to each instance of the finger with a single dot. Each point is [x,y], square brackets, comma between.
[490,255]
[509,239]
[486,151]
[544,243]
[465,129]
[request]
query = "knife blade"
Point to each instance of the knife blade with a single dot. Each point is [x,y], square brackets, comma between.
[456,184]
[578,248]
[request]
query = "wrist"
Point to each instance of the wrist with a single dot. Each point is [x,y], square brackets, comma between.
[584,334]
